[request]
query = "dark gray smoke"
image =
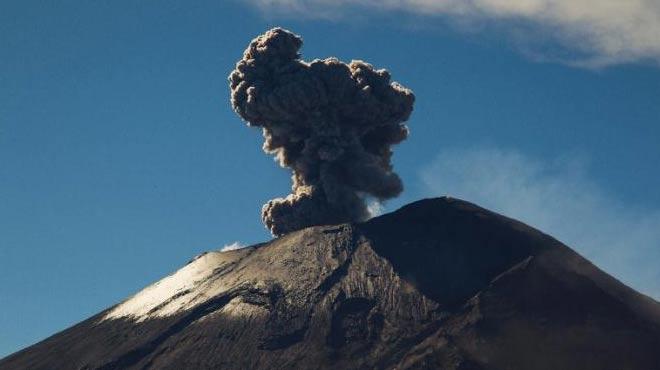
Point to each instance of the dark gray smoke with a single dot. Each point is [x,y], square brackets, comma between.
[332,123]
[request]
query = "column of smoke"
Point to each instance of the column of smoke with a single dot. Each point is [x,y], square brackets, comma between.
[333,124]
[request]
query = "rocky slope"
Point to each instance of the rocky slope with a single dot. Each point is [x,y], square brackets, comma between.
[438,284]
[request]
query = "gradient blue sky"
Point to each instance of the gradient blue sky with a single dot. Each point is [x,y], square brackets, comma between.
[120,158]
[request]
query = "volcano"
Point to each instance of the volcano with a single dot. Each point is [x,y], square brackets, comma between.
[438,284]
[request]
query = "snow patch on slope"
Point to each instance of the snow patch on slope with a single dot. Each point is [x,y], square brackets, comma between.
[182,290]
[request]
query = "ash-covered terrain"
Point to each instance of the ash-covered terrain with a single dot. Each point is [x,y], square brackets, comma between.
[439,284]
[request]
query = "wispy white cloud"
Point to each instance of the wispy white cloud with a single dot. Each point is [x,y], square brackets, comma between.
[375,208]
[559,198]
[232,246]
[596,32]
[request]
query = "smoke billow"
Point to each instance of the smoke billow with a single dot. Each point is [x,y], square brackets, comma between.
[332,123]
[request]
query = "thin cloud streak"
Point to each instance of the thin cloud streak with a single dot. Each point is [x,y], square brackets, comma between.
[560,199]
[232,246]
[594,33]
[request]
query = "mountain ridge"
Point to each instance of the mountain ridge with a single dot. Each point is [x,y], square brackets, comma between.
[439,283]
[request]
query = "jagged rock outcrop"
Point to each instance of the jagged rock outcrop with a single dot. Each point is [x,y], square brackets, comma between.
[439,284]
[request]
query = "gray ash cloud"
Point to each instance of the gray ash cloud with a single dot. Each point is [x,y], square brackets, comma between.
[332,123]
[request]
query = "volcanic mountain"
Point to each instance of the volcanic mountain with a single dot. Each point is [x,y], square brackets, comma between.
[439,284]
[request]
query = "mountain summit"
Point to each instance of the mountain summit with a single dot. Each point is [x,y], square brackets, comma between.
[439,284]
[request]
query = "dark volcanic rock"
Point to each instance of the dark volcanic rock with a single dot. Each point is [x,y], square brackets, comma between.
[438,284]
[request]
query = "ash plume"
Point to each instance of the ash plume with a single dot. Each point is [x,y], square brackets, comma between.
[332,123]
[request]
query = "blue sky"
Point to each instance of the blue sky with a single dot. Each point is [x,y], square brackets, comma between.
[120,158]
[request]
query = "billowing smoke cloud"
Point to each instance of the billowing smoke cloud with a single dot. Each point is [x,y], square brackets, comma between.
[332,123]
